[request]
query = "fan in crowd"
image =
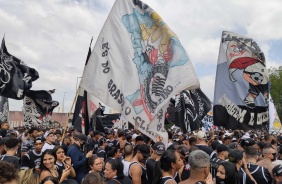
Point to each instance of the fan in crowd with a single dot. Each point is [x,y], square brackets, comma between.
[127,156]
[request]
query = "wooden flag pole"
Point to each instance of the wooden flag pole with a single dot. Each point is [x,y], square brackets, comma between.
[67,122]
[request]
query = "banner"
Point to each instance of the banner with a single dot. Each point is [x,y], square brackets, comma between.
[4,109]
[274,121]
[190,108]
[242,84]
[15,77]
[137,65]
[38,107]
[207,122]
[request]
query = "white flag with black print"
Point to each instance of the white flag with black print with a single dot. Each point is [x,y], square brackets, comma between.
[137,65]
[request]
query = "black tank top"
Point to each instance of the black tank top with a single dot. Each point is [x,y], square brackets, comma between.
[144,179]
[165,179]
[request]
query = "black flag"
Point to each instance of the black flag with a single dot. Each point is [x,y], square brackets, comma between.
[38,107]
[190,108]
[16,77]
[80,119]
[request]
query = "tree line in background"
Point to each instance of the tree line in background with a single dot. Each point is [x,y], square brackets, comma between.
[275,75]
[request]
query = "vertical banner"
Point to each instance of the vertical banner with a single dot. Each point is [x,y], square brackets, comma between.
[137,65]
[207,122]
[274,121]
[242,84]
[4,109]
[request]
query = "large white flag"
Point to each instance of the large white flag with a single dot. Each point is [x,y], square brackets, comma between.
[274,121]
[137,65]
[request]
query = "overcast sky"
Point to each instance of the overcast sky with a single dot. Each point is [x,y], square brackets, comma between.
[53,36]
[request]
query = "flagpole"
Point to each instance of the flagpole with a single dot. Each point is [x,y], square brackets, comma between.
[67,122]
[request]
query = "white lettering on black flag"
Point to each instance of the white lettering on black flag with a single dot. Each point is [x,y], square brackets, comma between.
[242,84]
[137,65]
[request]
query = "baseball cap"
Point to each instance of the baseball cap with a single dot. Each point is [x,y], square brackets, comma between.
[108,131]
[134,136]
[235,155]
[249,142]
[81,137]
[277,170]
[145,150]
[102,140]
[38,139]
[159,147]
[47,134]
[58,132]
[121,133]
[221,148]
[201,135]
[214,144]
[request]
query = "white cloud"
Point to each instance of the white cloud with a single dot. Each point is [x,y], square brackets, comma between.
[53,36]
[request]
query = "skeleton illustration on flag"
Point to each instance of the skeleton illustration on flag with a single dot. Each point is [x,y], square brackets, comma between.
[241,100]
[137,65]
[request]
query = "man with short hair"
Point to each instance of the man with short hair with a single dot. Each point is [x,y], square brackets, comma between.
[32,159]
[128,154]
[157,150]
[102,149]
[199,162]
[277,174]
[269,155]
[137,170]
[27,145]
[93,142]
[139,140]
[260,174]
[4,127]
[50,140]
[11,147]
[77,157]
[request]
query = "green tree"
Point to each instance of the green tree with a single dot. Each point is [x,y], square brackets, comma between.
[275,75]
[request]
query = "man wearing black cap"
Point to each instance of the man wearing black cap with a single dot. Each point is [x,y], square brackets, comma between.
[222,155]
[236,157]
[102,149]
[32,159]
[137,170]
[77,157]
[111,140]
[158,149]
[277,174]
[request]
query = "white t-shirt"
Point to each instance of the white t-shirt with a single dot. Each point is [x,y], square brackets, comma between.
[125,167]
[47,146]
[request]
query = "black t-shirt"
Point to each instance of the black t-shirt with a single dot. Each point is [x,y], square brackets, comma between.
[150,166]
[214,165]
[260,174]
[185,173]
[11,159]
[112,143]
[124,180]
[244,178]
[31,160]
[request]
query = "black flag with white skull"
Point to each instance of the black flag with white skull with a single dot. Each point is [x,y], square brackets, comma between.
[15,76]
[190,108]
[38,107]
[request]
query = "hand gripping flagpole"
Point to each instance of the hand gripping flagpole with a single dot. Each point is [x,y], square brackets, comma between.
[67,122]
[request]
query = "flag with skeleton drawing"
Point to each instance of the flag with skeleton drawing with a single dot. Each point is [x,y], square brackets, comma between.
[137,64]
[242,84]
[190,108]
[38,107]
[15,77]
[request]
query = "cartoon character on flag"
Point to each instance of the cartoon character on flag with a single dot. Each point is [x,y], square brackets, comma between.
[156,50]
[246,55]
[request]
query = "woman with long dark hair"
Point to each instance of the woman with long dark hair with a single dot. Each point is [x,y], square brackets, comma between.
[48,168]
[63,161]
[114,172]
[228,173]
[166,168]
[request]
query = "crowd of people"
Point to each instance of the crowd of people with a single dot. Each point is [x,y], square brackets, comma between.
[43,156]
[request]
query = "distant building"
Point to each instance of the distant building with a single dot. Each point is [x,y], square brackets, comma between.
[16,118]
